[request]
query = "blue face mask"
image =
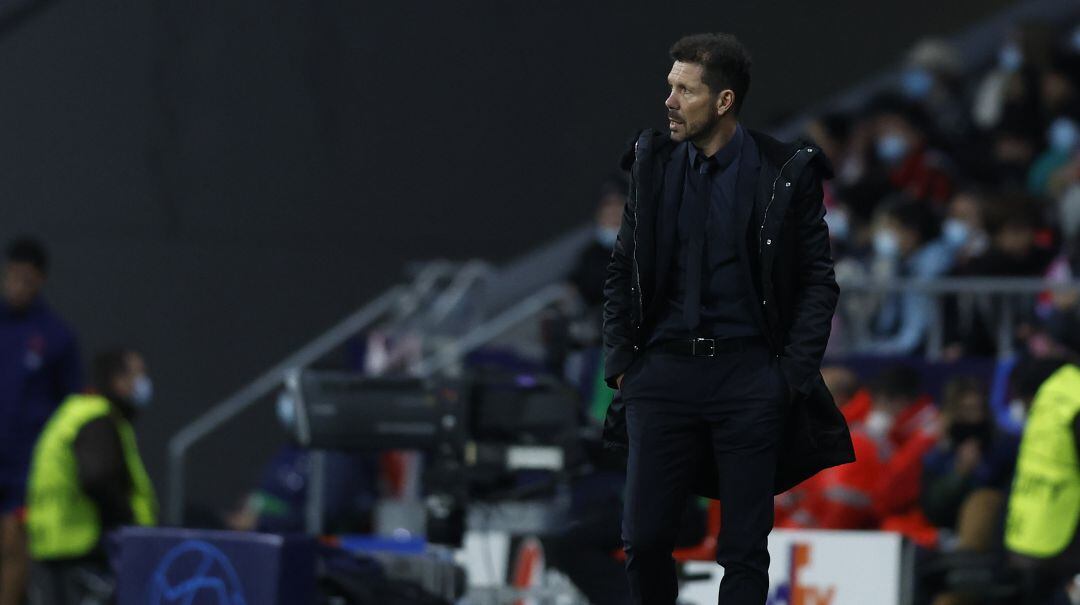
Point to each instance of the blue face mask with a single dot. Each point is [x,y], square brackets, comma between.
[1010,58]
[606,236]
[892,148]
[916,83]
[837,221]
[143,392]
[955,231]
[1063,135]
[886,244]
[286,410]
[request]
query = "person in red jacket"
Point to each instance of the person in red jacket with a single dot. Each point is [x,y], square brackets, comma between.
[893,425]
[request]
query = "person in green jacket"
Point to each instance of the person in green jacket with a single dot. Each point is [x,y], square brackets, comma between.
[87,478]
[1041,527]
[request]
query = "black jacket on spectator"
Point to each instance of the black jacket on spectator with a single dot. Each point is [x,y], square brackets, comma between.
[788,259]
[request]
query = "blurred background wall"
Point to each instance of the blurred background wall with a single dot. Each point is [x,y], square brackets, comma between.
[220,181]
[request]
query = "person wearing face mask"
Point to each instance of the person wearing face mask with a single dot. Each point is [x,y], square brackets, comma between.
[901,148]
[87,478]
[589,271]
[906,245]
[933,78]
[278,503]
[573,342]
[967,474]
[1063,141]
[892,426]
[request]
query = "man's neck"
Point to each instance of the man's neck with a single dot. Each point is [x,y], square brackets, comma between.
[715,141]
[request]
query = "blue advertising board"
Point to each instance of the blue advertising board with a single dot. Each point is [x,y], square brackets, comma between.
[170,566]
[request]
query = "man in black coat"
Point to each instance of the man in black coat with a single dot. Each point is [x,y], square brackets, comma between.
[718,303]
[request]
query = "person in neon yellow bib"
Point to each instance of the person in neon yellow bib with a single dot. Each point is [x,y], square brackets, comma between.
[1041,528]
[86,478]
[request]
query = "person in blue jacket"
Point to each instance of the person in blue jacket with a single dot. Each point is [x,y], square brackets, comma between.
[39,367]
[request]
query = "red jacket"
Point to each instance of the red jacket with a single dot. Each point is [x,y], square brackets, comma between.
[883,481]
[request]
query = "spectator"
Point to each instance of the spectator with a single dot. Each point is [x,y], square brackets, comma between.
[972,463]
[87,478]
[906,245]
[591,267]
[892,427]
[902,146]
[1011,90]
[1046,176]
[964,228]
[1015,250]
[278,503]
[39,366]
[841,382]
[582,333]
[1044,505]
[933,78]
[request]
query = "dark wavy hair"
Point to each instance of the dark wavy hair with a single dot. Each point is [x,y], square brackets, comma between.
[725,59]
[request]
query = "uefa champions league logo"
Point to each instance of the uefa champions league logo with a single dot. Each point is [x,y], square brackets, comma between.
[195,573]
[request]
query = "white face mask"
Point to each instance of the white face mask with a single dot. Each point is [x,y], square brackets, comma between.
[143,392]
[878,424]
[607,236]
[886,244]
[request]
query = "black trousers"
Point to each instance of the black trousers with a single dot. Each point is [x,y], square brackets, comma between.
[680,409]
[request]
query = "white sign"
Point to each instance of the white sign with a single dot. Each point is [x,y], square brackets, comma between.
[821,568]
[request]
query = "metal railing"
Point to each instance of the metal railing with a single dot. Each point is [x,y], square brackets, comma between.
[999,300]
[263,386]
[529,308]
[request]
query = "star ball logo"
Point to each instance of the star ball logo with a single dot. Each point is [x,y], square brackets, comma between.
[195,573]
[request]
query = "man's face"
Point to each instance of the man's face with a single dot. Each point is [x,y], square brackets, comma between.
[610,212]
[1016,240]
[693,110]
[124,384]
[22,283]
[970,409]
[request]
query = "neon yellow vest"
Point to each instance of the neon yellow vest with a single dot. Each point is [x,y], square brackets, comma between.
[1044,506]
[63,521]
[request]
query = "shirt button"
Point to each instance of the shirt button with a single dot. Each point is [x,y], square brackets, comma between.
[768,242]
[764,301]
[809,150]
[787,184]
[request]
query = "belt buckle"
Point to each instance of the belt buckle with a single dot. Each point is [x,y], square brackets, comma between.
[709,342]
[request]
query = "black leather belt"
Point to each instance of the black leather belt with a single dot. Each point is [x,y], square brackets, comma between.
[707,347]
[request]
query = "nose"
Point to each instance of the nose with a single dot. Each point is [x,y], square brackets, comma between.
[672,102]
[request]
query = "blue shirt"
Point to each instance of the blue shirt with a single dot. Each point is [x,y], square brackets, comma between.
[904,318]
[725,299]
[39,367]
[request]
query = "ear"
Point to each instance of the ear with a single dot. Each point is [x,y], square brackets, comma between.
[725,101]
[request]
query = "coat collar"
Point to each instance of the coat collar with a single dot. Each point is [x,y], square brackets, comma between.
[651,143]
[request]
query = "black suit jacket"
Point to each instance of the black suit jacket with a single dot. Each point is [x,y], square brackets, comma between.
[789,267]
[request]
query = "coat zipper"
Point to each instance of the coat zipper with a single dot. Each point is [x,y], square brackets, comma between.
[765,215]
[637,270]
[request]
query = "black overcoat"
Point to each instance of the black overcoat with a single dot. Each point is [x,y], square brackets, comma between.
[788,263]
